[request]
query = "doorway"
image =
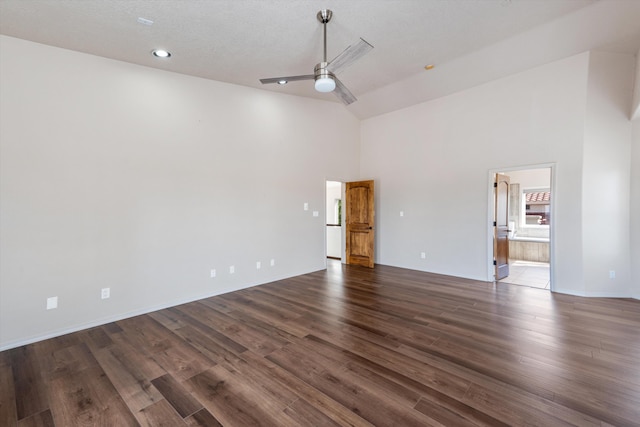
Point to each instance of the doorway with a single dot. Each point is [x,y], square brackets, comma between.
[334,215]
[529,227]
[350,218]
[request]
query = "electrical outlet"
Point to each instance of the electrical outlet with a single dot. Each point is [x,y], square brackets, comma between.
[612,274]
[258,265]
[213,272]
[52,302]
[423,255]
[306,206]
[232,269]
[105,293]
[315,213]
[401,213]
[273,262]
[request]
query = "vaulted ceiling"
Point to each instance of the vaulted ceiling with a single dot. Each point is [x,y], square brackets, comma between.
[240,41]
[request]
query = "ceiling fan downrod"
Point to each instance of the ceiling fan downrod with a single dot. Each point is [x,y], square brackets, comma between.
[324,80]
[324,16]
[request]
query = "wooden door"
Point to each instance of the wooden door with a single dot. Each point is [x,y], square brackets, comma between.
[359,220]
[501,227]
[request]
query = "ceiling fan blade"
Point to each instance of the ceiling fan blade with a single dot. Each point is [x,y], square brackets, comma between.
[288,79]
[343,93]
[348,56]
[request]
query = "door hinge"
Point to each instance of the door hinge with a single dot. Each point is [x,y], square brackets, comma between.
[495,185]
[495,224]
[495,262]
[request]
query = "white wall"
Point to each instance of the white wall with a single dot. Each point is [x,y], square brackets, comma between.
[606,175]
[121,176]
[635,210]
[433,160]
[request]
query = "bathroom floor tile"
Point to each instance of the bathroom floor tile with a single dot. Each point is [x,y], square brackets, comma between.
[528,273]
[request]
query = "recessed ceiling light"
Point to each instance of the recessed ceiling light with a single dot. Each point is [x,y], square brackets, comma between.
[160,53]
[282,82]
[429,67]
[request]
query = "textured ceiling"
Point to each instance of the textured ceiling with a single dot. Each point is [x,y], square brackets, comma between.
[241,41]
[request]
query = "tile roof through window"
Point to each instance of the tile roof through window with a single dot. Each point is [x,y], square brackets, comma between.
[538,197]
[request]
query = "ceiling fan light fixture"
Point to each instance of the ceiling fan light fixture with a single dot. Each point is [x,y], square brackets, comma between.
[325,84]
[324,79]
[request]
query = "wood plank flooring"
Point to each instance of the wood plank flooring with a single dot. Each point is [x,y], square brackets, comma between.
[348,346]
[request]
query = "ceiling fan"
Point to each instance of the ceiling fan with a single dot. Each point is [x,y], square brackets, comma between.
[325,72]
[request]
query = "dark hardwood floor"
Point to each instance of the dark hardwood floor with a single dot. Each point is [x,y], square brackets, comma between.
[346,346]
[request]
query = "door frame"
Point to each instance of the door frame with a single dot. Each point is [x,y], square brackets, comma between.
[490,215]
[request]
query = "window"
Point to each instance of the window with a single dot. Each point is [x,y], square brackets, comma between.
[536,203]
